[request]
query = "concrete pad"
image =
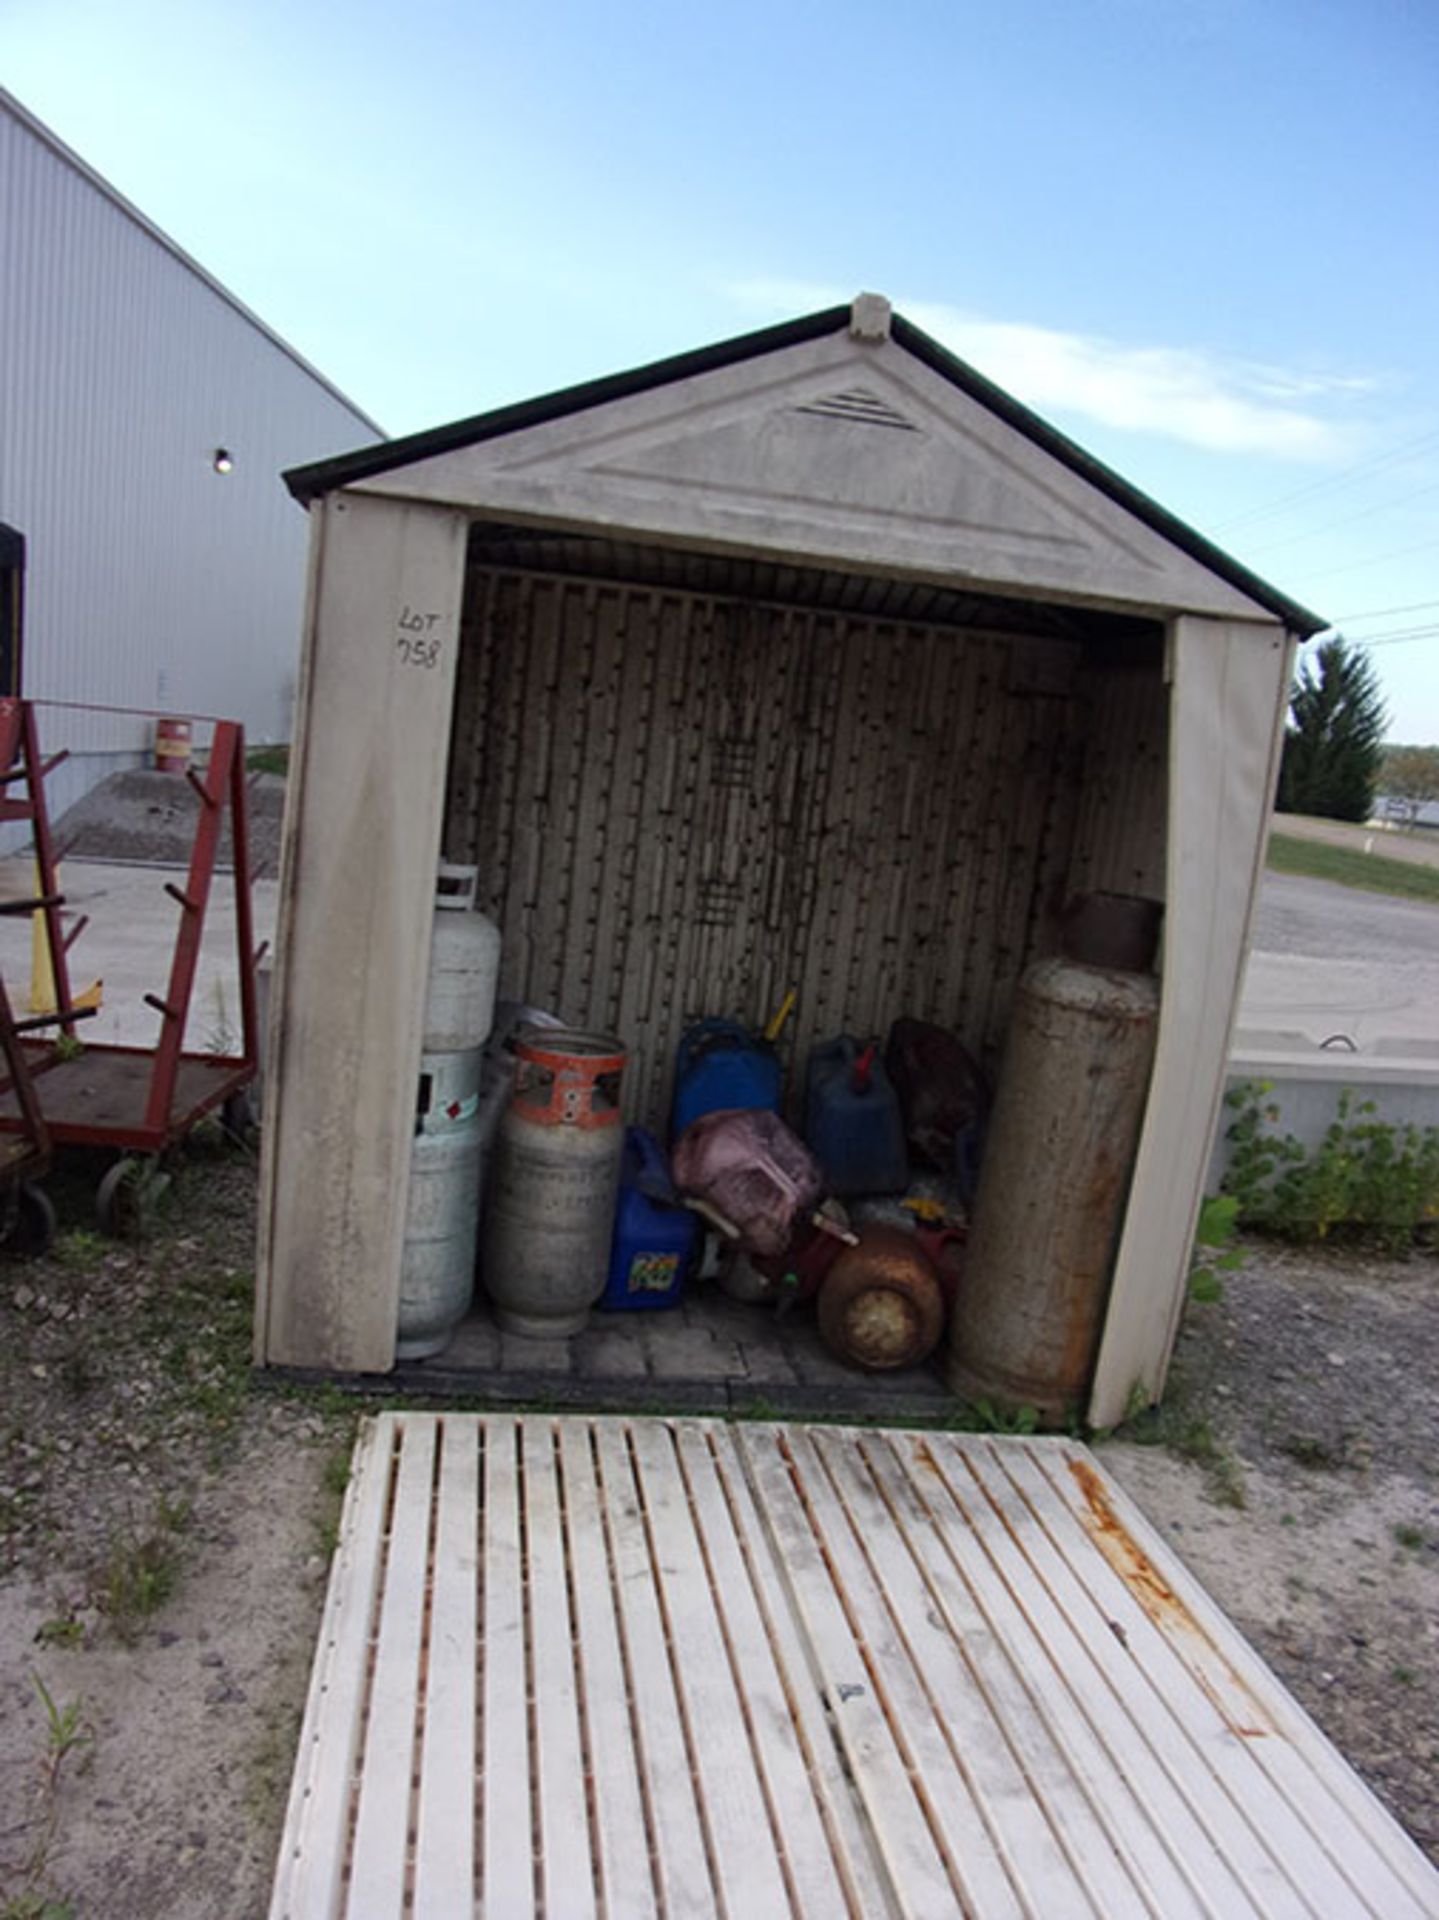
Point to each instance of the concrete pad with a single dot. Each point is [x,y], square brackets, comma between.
[128,946]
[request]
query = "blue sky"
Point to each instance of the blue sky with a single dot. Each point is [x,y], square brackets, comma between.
[1198,235]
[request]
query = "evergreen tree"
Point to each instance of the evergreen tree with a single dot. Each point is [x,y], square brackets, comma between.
[1334,743]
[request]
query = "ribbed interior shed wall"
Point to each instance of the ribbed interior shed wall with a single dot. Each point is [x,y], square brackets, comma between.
[687,802]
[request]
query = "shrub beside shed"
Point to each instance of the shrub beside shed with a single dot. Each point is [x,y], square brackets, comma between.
[808,660]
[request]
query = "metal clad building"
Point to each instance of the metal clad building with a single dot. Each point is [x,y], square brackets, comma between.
[152,580]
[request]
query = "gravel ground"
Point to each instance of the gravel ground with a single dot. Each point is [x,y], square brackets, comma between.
[164,1536]
[165,1528]
[1294,1466]
[151,817]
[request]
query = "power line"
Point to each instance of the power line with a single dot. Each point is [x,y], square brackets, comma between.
[1389,637]
[1430,545]
[1400,639]
[1380,613]
[1348,520]
[1330,482]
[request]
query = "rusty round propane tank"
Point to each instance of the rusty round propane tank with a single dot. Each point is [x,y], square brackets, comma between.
[556,1173]
[880,1306]
[1053,1187]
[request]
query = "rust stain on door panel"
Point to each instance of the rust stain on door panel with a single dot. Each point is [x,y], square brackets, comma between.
[1164,1606]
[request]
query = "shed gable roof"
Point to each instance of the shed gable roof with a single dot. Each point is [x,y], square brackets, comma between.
[821,438]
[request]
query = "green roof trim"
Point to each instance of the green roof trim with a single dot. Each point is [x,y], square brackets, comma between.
[325,476]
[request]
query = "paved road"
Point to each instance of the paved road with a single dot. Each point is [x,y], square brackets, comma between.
[1330,960]
[1340,923]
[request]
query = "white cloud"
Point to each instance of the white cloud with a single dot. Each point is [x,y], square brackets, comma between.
[1182,393]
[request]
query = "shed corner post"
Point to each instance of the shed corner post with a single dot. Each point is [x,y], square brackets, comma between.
[362,833]
[1228,699]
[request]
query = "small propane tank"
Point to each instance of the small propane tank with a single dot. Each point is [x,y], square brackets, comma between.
[553,1181]
[464,966]
[1053,1186]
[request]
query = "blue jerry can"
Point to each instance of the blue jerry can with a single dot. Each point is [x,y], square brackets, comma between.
[654,1243]
[722,1065]
[852,1119]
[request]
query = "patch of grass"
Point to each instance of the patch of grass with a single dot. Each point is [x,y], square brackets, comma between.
[1214,1253]
[61,1630]
[1405,1676]
[275,759]
[1310,1450]
[1348,867]
[992,1418]
[33,1904]
[334,1480]
[78,1370]
[1411,1537]
[142,1569]
[24,1894]
[79,1250]
[1185,1431]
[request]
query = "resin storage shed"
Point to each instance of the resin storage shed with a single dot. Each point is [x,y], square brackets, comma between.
[807,660]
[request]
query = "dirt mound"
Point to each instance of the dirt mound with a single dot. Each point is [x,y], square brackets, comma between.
[151,817]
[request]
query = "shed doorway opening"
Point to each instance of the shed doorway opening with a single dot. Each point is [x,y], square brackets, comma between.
[693,782]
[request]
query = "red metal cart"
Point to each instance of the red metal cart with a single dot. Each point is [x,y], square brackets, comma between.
[138,1100]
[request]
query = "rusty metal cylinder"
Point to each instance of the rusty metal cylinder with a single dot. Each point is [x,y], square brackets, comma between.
[880,1305]
[553,1183]
[1053,1187]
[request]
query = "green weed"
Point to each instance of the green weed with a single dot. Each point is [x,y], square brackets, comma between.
[334,1479]
[142,1569]
[24,1896]
[61,1630]
[1186,1432]
[1366,1179]
[993,1418]
[1214,1252]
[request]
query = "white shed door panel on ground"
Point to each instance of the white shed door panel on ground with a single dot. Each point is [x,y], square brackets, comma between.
[625,1667]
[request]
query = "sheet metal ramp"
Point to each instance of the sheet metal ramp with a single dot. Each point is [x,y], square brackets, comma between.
[624,1667]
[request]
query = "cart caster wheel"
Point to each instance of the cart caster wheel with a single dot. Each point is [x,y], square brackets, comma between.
[28,1224]
[237,1117]
[127,1200]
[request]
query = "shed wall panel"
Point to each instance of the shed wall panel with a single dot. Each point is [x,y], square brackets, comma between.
[357,889]
[1228,723]
[685,803]
[1121,832]
[152,580]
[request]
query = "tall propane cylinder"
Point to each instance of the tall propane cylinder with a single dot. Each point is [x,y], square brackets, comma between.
[437,1262]
[1053,1186]
[442,1217]
[464,966]
[553,1182]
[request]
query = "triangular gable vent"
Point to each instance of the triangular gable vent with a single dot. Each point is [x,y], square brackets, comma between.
[859,404]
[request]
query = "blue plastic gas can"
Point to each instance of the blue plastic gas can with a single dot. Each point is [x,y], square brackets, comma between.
[654,1244]
[721,1065]
[853,1122]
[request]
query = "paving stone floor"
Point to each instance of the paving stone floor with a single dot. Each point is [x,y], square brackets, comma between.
[710,1354]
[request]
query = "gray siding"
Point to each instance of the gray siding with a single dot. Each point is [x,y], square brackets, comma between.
[152,580]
